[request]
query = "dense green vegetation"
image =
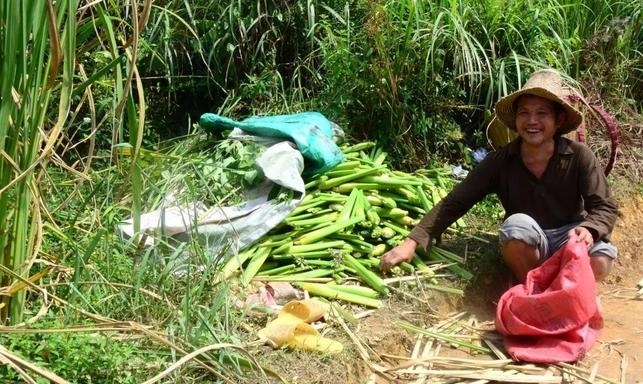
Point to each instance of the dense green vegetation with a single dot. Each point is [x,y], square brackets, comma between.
[97,96]
[430,70]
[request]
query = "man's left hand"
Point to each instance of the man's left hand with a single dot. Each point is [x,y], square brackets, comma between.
[583,235]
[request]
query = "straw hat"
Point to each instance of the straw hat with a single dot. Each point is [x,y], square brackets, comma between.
[545,83]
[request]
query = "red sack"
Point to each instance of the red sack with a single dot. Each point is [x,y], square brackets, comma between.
[554,316]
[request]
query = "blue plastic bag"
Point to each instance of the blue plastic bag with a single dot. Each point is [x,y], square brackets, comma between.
[311,132]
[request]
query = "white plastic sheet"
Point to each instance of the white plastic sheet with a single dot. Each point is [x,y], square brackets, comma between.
[229,229]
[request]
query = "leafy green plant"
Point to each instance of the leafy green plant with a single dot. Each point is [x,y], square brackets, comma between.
[78,357]
[387,69]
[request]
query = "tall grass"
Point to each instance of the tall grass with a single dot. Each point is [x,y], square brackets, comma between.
[247,55]
[385,68]
[45,87]
[73,122]
[38,42]
[80,81]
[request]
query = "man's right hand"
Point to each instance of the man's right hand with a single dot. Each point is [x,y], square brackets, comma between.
[403,252]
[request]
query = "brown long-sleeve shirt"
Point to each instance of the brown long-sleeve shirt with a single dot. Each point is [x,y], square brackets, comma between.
[573,189]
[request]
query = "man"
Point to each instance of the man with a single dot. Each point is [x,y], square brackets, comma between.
[549,186]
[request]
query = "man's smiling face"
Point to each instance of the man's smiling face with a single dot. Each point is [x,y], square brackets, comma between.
[537,119]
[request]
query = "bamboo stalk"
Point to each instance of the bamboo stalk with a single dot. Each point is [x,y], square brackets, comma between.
[436,335]
[499,376]
[328,291]
[292,279]
[455,362]
[577,371]
[623,369]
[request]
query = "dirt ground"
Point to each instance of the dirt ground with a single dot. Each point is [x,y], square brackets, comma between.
[617,355]
[620,345]
[618,352]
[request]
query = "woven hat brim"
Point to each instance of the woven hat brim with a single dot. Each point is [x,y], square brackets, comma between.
[498,134]
[505,111]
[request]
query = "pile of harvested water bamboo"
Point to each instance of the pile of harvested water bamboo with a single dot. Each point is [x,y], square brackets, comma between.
[350,216]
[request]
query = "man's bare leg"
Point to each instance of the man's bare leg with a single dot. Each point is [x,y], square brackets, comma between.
[601,266]
[520,257]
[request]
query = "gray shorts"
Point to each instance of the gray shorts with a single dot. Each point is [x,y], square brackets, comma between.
[522,227]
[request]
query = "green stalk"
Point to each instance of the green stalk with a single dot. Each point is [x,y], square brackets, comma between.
[424,200]
[255,263]
[278,270]
[319,263]
[346,165]
[310,204]
[379,159]
[393,195]
[379,250]
[411,207]
[435,195]
[307,215]
[359,147]
[303,255]
[388,233]
[410,195]
[345,213]
[336,207]
[283,248]
[406,267]
[314,221]
[374,200]
[314,273]
[267,266]
[311,184]
[358,207]
[355,290]
[308,247]
[236,261]
[294,271]
[330,183]
[435,256]
[275,244]
[347,187]
[362,246]
[366,275]
[407,221]
[389,181]
[368,262]
[373,217]
[333,197]
[391,213]
[419,263]
[321,233]
[387,202]
[328,292]
[307,199]
[448,254]
[396,228]
[338,173]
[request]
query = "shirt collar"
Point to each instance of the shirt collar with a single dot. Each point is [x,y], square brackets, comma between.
[562,146]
